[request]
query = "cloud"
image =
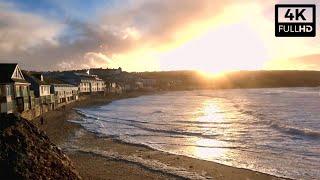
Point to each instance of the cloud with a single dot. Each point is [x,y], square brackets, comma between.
[126,28]
[308,62]
[42,43]
[98,60]
[23,31]
[159,21]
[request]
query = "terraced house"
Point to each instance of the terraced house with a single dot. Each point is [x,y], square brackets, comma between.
[64,93]
[14,89]
[41,89]
[86,83]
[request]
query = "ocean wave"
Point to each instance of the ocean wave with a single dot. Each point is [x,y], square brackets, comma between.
[157,112]
[292,92]
[196,145]
[155,135]
[138,124]
[153,165]
[207,95]
[199,122]
[172,132]
[296,131]
[155,130]
[103,118]
[212,96]
[272,93]
[86,115]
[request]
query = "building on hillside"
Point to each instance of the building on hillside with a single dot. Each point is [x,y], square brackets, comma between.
[85,82]
[139,85]
[114,87]
[41,89]
[105,72]
[149,83]
[64,93]
[14,89]
[117,81]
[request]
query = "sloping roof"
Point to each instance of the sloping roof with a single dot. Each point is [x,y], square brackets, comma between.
[34,76]
[58,82]
[85,76]
[51,80]
[6,71]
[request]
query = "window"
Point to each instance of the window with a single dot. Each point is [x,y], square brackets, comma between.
[17,88]
[8,90]
[24,91]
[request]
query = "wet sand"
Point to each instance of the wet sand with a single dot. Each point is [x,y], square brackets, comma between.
[105,158]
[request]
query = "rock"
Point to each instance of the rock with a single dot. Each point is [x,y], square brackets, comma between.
[27,153]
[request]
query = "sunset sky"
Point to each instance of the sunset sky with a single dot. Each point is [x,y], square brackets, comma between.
[149,35]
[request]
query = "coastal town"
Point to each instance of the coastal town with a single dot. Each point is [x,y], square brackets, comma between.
[31,94]
[159,90]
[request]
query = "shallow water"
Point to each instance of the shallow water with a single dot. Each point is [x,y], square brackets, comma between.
[276,131]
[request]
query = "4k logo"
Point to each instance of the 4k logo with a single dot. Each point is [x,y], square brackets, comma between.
[295,20]
[299,13]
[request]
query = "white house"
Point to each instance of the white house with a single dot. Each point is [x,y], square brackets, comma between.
[65,93]
[40,87]
[87,83]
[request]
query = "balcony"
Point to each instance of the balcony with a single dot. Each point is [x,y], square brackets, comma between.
[47,99]
[50,98]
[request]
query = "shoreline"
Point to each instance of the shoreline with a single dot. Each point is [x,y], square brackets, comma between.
[108,158]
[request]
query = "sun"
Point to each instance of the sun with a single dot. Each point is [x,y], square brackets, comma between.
[211,74]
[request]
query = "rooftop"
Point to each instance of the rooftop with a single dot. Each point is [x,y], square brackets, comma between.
[7,70]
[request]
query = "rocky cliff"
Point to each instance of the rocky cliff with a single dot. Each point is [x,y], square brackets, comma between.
[27,153]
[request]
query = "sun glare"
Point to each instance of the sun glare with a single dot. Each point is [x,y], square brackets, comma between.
[211,74]
[218,51]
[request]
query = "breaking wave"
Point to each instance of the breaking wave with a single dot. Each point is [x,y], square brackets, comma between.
[296,131]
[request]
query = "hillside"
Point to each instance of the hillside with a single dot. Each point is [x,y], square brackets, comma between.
[238,79]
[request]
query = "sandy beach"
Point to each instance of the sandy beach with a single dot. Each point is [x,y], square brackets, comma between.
[106,158]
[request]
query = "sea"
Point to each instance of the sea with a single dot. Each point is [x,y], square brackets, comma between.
[269,130]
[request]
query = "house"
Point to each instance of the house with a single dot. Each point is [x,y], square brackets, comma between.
[149,83]
[115,88]
[138,85]
[106,72]
[89,83]
[117,81]
[85,82]
[41,89]
[65,93]
[14,89]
